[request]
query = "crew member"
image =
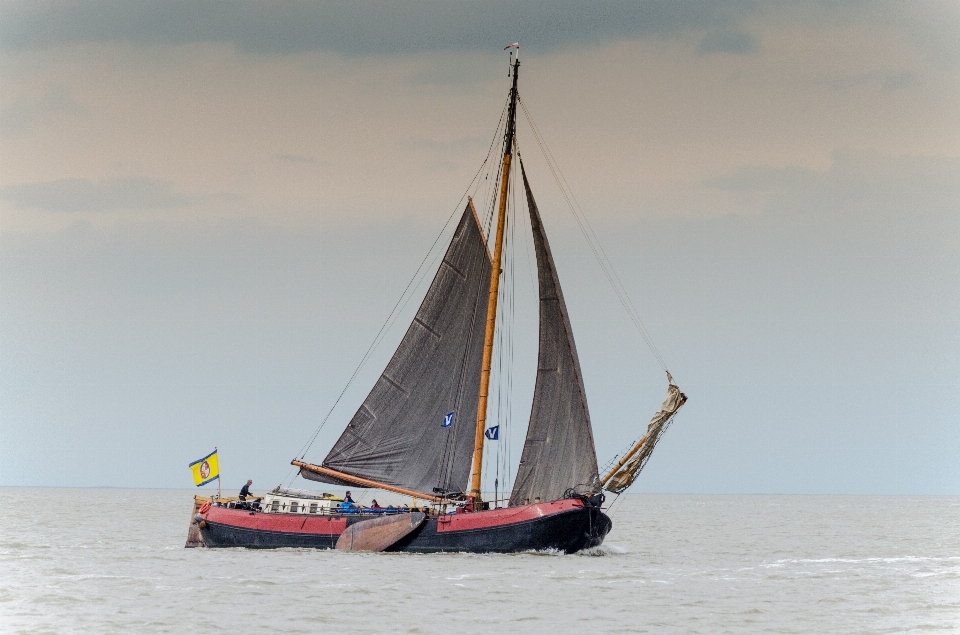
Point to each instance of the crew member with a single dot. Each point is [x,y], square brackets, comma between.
[244,494]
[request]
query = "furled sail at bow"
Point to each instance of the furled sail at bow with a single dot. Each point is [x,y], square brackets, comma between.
[558,453]
[629,468]
[397,436]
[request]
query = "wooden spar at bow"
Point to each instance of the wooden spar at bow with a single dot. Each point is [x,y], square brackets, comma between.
[623,461]
[671,405]
[364,482]
[494,289]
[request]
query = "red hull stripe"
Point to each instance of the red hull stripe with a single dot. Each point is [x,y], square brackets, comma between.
[505,516]
[286,523]
[335,525]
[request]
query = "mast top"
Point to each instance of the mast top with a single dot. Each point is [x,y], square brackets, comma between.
[512,114]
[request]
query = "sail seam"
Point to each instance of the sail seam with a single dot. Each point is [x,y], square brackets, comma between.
[427,328]
[455,270]
[395,384]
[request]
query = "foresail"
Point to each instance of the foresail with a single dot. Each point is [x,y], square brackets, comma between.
[627,473]
[558,453]
[399,436]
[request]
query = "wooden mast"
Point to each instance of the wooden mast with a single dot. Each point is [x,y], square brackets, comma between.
[494,289]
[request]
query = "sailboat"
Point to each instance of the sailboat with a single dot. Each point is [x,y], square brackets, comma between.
[402,438]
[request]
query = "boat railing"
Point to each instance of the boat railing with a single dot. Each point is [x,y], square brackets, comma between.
[309,508]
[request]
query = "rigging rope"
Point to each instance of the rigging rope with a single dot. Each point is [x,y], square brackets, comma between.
[404,298]
[606,265]
[506,311]
[449,455]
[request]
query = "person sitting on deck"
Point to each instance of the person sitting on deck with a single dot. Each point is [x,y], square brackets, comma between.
[347,501]
[374,504]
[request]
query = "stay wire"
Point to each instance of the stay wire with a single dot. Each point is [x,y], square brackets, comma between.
[505,338]
[404,298]
[603,260]
[508,415]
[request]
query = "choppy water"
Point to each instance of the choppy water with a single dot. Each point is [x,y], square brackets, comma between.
[112,561]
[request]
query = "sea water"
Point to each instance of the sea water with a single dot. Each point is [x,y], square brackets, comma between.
[113,561]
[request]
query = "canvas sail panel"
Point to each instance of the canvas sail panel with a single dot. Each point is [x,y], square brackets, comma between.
[396,435]
[558,453]
[627,474]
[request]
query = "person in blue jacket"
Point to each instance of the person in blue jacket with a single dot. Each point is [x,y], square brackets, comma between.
[347,501]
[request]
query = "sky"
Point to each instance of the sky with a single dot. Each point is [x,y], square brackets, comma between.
[208,210]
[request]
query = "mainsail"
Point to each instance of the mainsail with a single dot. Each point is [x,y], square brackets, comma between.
[558,453]
[397,436]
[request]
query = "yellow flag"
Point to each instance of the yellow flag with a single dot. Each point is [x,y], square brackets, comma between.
[206,469]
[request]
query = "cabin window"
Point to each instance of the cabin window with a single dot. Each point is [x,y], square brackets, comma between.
[275,507]
[293,507]
[313,508]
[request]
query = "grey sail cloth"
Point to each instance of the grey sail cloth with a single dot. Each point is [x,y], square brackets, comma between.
[396,436]
[558,453]
[627,474]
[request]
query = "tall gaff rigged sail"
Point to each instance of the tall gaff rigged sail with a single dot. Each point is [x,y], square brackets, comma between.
[558,453]
[398,436]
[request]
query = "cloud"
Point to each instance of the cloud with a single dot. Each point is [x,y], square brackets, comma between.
[901,206]
[736,42]
[864,172]
[82,195]
[755,178]
[895,81]
[298,158]
[360,28]
[454,145]
[23,113]
[885,81]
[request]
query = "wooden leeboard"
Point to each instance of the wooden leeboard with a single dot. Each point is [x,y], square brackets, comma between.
[377,534]
[194,539]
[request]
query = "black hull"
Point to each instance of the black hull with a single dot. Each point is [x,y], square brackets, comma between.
[567,531]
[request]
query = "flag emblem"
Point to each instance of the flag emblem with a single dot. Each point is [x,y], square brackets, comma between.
[206,469]
[447,420]
[492,433]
